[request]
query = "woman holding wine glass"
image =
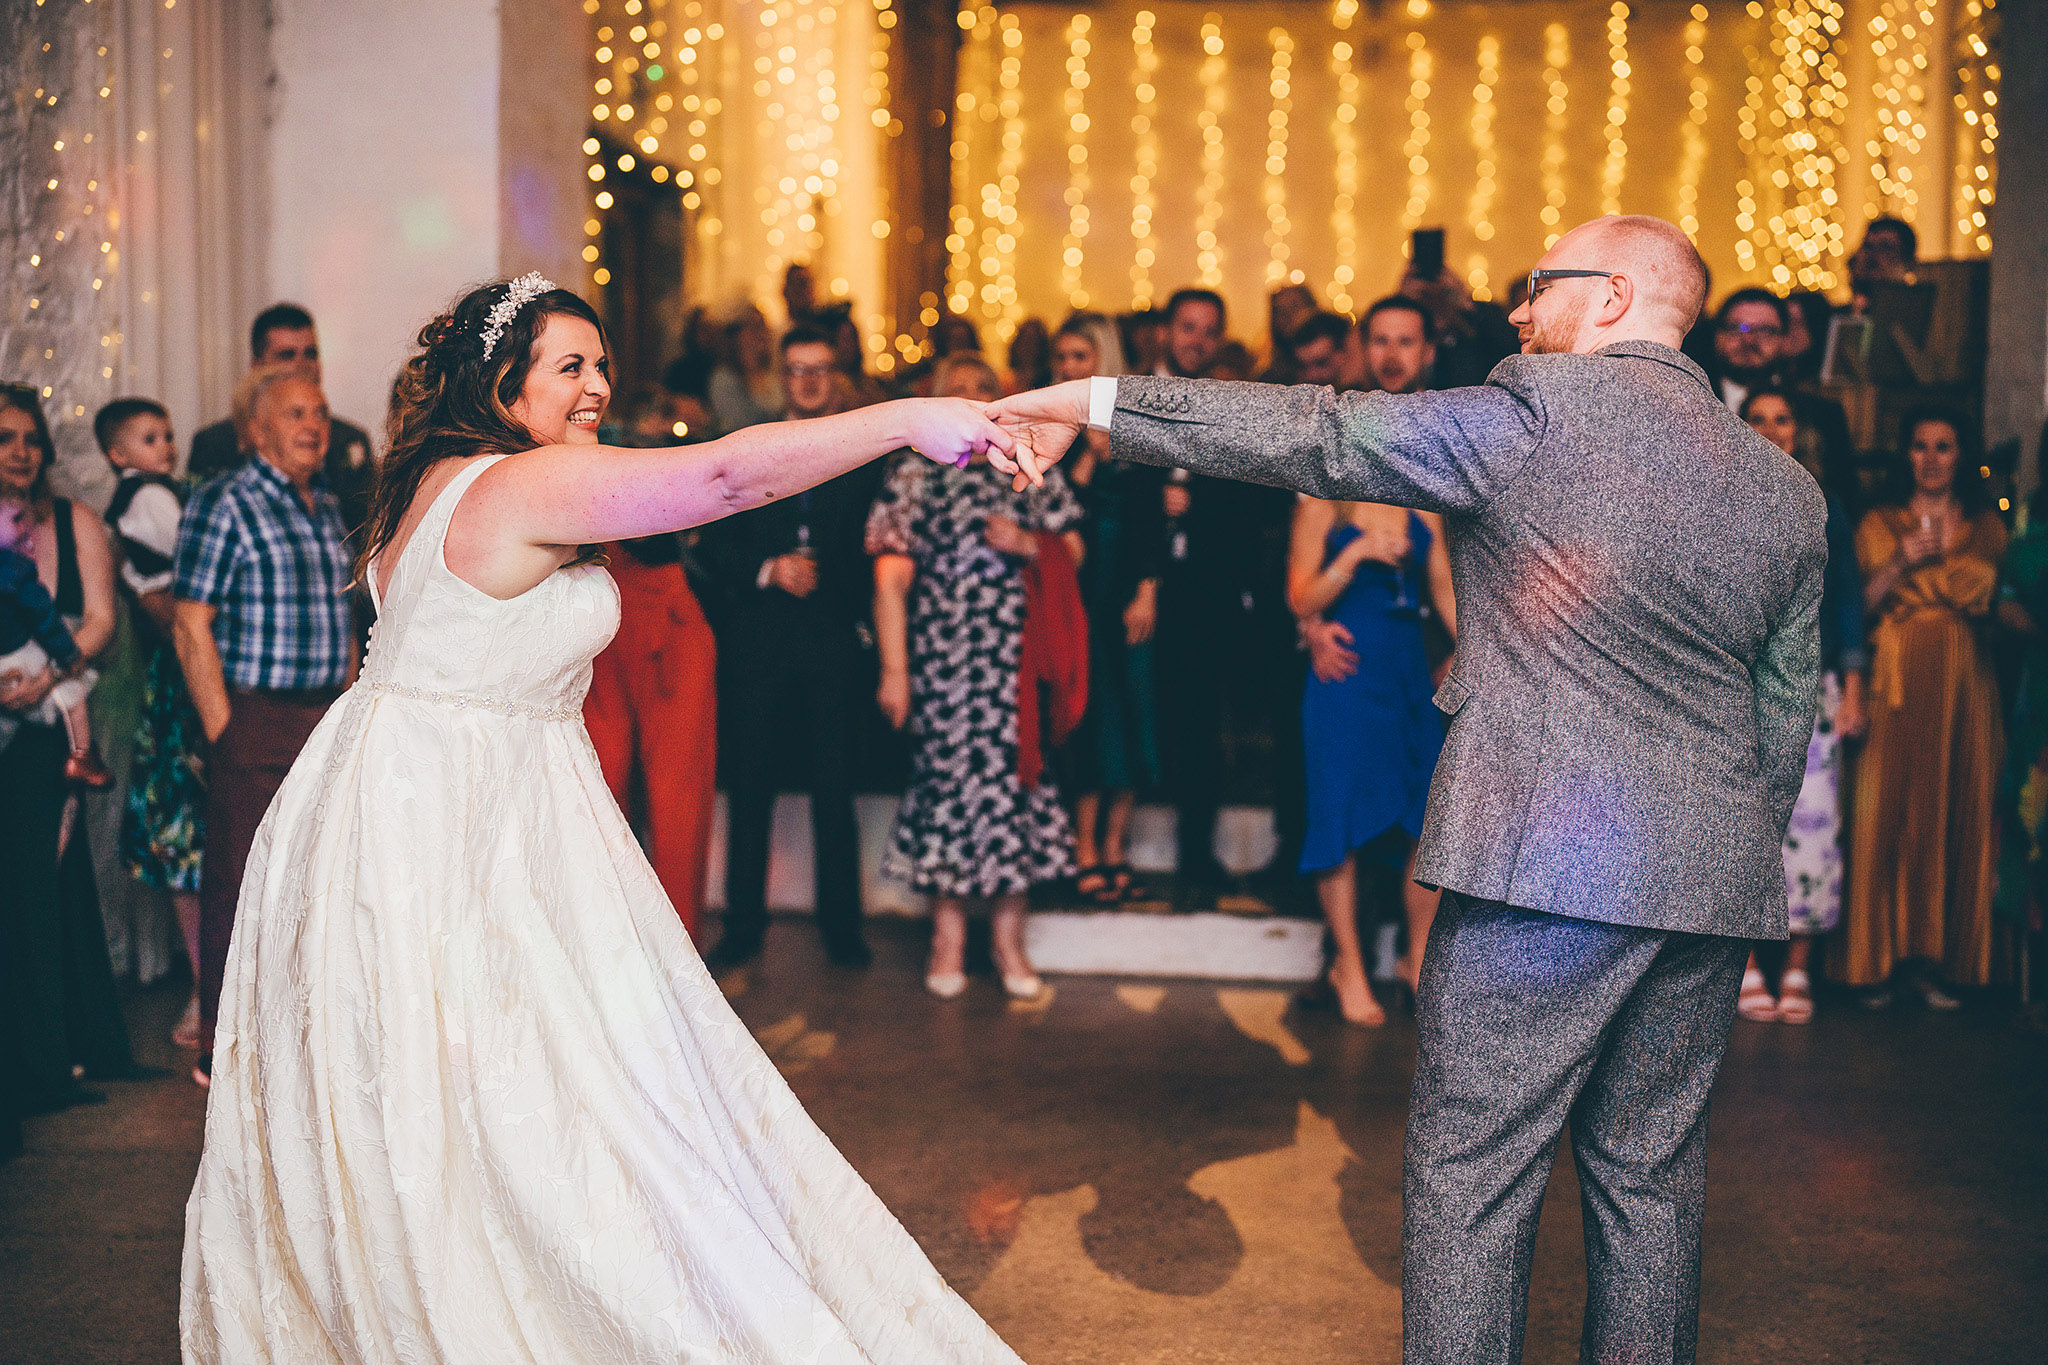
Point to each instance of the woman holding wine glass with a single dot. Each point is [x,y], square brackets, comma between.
[1921,854]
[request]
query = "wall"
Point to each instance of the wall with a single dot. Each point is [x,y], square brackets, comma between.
[2016,379]
[384,166]
[543,197]
[131,163]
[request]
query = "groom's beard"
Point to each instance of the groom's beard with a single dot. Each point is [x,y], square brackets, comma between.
[1556,336]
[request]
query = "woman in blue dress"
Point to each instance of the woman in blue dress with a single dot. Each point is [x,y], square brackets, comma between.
[1370,730]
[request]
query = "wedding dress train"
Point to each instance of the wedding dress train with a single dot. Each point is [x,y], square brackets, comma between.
[475,1098]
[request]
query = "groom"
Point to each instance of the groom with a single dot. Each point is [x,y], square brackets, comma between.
[1638,580]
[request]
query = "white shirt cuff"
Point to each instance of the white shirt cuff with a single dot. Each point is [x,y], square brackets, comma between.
[1101,401]
[767,570]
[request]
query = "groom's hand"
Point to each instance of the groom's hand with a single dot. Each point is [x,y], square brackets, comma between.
[1045,424]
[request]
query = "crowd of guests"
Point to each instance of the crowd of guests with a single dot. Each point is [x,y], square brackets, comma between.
[1031,664]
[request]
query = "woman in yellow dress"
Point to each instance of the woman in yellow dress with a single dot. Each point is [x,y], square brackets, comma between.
[1921,857]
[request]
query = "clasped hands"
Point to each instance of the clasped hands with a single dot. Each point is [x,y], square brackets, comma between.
[1043,424]
[1022,436]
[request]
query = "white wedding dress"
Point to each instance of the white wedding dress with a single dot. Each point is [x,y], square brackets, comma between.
[475,1098]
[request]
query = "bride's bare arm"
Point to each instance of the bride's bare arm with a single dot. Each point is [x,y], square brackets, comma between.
[527,513]
[578,495]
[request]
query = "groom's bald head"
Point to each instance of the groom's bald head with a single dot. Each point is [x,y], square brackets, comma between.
[1659,259]
[1656,286]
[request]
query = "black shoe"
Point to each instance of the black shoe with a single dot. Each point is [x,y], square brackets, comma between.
[733,950]
[849,952]
[1194,897]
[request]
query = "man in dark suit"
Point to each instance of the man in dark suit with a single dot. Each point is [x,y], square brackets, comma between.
[1203,629]
[1751,331]
[283,337]
[1639,581]
[796,583]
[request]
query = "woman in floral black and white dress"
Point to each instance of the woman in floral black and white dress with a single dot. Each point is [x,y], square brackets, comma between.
[951,546]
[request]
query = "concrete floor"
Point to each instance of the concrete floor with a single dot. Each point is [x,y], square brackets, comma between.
[1143,1172]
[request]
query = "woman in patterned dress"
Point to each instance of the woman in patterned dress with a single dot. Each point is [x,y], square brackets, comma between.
[1813,843]
[951,546]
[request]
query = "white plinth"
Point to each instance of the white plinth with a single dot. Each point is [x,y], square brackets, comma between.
[1224,947]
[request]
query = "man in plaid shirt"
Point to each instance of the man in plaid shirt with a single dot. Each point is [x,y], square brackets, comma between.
[265,637]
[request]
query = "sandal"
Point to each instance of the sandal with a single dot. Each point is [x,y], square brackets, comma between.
[1100,892]
[1795,1004]
[1123,885]
[1756,1003]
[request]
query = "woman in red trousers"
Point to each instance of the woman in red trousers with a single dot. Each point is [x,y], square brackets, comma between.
[654,702]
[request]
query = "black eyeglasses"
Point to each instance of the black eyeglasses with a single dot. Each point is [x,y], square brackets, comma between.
[1537,277]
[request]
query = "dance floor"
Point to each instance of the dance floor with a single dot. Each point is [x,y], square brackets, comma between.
[1137,1172]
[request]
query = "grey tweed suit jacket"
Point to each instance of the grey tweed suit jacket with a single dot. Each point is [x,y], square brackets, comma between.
[1638,577]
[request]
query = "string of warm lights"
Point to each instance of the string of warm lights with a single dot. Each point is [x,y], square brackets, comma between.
[1976,133]
[878,69]
[1421,65]
[1000,305]
[1898,39]
[880,322]
[1746,142]
[1074,102]
[1144,203]
[697,110]
[66,189]
[1486,167]
[1692,160]
[1801,238]
[1557,55]
[1209,194]
[977,18]
[704,111]
[633,108]
[1616,165]
[1280,88]
[1344,136]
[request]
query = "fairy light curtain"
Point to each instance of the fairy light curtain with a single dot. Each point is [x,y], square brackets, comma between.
[130,165]
[768,116]
[1105,155]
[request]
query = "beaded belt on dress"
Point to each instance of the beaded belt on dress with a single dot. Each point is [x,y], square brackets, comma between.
[503,706]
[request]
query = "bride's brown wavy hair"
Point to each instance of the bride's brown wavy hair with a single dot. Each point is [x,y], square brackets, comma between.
[449,401]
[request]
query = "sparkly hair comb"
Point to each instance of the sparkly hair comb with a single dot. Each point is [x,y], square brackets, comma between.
[518,294]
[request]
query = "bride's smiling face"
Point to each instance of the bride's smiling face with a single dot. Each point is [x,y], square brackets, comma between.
[568,384]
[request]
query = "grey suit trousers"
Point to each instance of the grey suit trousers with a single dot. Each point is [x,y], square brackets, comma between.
[1525,1021]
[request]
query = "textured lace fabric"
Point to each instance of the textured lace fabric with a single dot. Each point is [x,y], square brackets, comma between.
[475,1098]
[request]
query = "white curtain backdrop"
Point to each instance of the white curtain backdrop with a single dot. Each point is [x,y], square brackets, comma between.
[131,169]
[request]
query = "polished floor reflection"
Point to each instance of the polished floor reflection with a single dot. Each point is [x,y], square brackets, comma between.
[1143,1171]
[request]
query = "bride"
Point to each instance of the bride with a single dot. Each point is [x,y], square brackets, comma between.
[475,1099]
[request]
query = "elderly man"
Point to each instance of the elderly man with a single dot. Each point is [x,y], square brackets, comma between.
[263,632]
[283,338]
[1639,579]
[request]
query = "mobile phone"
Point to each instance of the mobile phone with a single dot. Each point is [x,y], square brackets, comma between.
[1426,253]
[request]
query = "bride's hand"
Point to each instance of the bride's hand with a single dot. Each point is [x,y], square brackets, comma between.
[954,430]
[1045,423]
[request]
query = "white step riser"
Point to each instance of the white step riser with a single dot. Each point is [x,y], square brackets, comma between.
[1244,842]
